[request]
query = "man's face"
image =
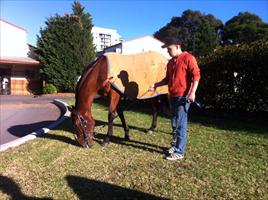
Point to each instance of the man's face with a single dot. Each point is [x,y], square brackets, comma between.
[173,50]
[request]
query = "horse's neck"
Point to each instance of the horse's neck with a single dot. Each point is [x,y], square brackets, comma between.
[83,104]
[88,86]
[85,95]
[83,78]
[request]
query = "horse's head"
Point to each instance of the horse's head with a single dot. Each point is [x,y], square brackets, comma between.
[83,126]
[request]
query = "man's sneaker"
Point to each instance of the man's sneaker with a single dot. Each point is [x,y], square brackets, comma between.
[171,150]
[174,156]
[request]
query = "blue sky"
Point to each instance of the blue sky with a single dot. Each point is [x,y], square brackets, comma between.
[131,18]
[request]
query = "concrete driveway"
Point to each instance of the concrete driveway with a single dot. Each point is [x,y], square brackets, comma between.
[22,115]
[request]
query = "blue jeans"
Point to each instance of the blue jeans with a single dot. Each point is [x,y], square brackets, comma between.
[179,111]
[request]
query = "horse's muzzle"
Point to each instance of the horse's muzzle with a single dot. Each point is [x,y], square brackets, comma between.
[83,142]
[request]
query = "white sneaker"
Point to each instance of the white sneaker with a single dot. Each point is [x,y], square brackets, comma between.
[174,156]
[171,150]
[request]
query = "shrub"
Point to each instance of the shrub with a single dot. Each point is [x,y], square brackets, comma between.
[49,89]
[235,77]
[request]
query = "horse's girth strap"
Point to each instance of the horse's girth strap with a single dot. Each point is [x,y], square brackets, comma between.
[106,82]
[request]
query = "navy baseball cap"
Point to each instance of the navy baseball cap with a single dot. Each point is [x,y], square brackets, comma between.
[171,40]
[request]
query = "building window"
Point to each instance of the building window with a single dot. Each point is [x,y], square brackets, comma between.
[105,40]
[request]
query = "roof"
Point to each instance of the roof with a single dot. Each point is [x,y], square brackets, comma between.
[147,36]
[13,25]
[18,60]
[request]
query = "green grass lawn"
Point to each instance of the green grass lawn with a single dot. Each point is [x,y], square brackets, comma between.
[226,158]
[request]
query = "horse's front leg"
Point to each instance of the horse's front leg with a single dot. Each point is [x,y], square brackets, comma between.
[111,117]
[125,126]
[113,98]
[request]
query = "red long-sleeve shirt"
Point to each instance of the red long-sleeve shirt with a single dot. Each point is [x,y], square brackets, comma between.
[182,71]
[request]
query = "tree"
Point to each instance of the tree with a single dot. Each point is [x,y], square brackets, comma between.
[205,39]
[198,32]
[245,28]
[65,47]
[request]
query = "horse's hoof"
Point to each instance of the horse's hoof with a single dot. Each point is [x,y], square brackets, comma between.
[150,131]
[127,138]
[105,144]
[87,145]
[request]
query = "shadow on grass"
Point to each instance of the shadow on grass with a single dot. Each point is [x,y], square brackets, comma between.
[92,189]
[67,126]
[132,143]
[9,187]
[224,120]
[60,138]
[232,121]
[209,118]
[103,124]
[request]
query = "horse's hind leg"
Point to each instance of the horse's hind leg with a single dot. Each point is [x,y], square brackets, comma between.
[155,107]
[122,118]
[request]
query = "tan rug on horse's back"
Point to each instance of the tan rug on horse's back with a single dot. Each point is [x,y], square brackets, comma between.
[133,74]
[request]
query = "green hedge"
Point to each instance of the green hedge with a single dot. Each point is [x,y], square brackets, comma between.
[49,89]
[235,77]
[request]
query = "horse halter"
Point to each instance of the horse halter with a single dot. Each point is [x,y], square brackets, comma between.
[83,123]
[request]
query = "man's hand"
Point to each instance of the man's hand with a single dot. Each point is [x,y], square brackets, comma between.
[192,93]
[191,97]
[151,88]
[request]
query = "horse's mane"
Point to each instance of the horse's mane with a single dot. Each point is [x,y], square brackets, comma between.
[84,75]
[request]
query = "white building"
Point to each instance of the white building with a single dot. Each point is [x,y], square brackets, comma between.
[12,36]
[19,74]
[139,45]
[104,37]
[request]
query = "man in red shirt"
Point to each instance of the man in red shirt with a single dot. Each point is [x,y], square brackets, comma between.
[182,78]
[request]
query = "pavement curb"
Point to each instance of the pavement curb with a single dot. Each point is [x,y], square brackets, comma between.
[33,135]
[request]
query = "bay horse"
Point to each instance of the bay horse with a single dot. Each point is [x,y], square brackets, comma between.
[94,81]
